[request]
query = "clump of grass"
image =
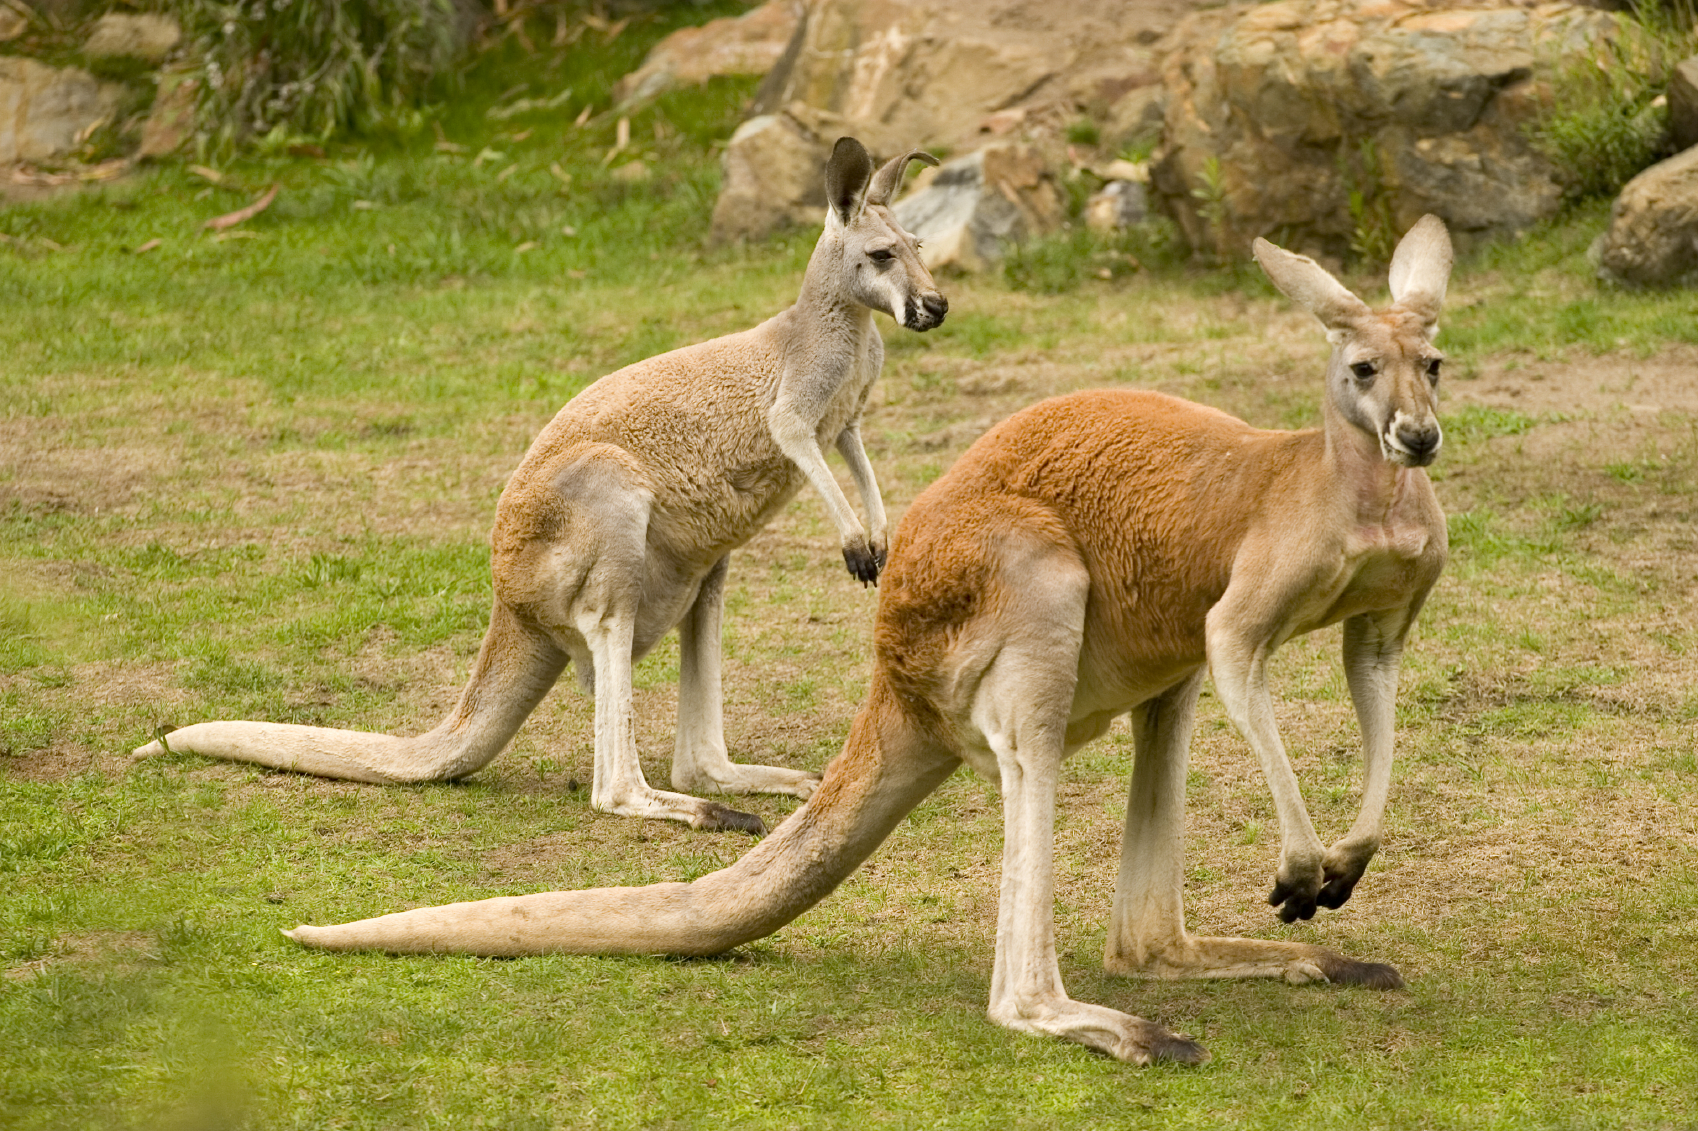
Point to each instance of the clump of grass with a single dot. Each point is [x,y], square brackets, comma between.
[308,67]
[1084,132]
[1060,263]
[1605,124]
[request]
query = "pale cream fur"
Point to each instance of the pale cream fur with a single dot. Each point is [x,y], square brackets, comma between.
[618,525]
[1094,556]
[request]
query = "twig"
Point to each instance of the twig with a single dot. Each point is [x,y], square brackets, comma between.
[241,215]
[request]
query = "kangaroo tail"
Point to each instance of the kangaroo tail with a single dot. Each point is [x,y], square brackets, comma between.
[515,668]
[887,766]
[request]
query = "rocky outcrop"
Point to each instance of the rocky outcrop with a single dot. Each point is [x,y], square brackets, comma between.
[1683,105]
[959,74]
[933,72]
[1652,240]
[148,37]
[774,177]
[750,44]
[973,209]
[46,112]
[1339,123]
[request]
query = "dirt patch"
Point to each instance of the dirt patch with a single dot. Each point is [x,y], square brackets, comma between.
[95,948]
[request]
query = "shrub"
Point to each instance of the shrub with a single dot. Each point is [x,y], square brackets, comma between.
[1604,126]
[314,66]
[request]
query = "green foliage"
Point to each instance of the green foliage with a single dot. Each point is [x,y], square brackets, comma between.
[1083,131]
[1373,229]
[314,67]
[1604,125]
[1213,208]
[1060,263]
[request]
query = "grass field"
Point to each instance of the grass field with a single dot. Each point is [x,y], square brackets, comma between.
[253,478]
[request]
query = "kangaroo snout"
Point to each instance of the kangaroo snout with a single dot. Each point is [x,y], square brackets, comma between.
[925,312]
[1413,443]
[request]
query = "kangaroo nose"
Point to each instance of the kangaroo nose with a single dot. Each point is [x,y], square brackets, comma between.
[1421,440]
[926,312]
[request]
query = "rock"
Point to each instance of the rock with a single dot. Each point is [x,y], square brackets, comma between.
[1117,205]
[45,112]
[1339,123]
[749,44]
[1137,116]
[172,118]
[774,177]
[956,73]
[1652,239]
[1683,105]
[148,37]
[972,209]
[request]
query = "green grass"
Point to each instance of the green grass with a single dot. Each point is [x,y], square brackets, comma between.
[254,478]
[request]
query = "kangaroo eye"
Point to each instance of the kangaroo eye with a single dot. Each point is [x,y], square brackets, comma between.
[1433,368]
[880,255]
[1363,370]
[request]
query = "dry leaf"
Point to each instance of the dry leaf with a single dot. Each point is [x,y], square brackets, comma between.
[560,174]
[106,170]
[505,173]
[147,247]
[622,133]
[528,245]
[583,115]
[242,215]
[204,173]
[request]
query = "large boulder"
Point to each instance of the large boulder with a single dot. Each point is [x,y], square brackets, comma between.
[1652,240]
[973,209]
[46,112]
[1338,123]
[955,75]
[774,177]
[930,73]
[750,44]
[149,37]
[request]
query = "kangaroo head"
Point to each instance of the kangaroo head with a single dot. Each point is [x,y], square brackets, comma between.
[876,263]
[1383,376]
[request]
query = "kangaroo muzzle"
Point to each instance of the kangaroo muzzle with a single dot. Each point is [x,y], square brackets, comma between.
[924,312]
[1412,442]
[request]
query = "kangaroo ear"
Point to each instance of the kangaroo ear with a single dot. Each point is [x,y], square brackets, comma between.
[846,177]
[889,178]
[1308,284]
[1420,268]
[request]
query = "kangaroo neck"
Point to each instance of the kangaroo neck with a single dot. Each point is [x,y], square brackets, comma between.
[825,329]
[1366,483]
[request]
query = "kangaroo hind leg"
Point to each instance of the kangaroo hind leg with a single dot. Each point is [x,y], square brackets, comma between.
[699,762]
[1036,605]
[599,602]
[1146,931]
